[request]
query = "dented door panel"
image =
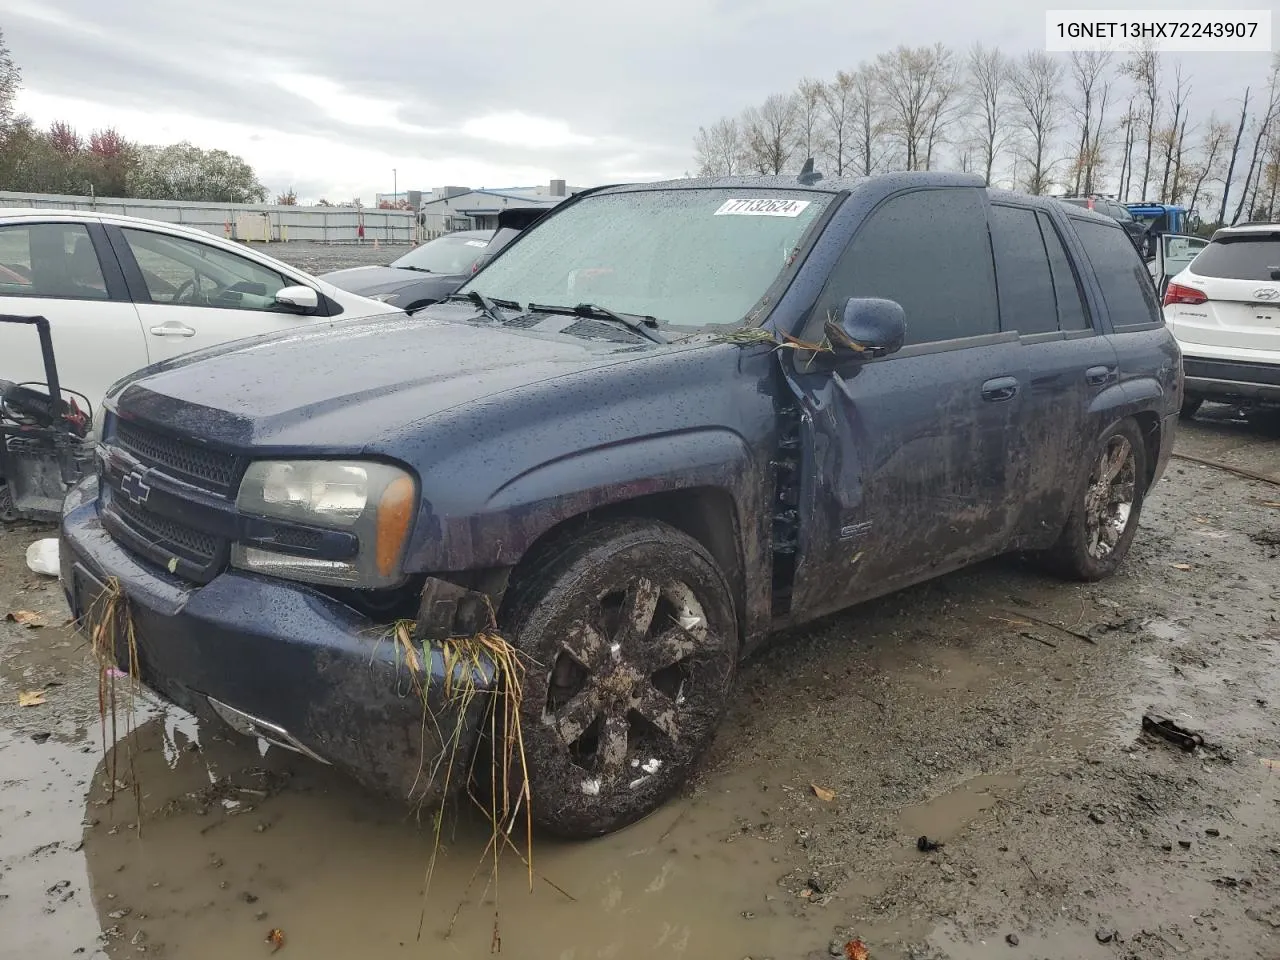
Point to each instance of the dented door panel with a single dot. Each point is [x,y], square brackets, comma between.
[908,469]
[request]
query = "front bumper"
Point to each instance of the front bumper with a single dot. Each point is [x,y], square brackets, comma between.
[284,662]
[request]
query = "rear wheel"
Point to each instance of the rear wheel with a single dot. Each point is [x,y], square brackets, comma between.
[1104,522]
[631,643]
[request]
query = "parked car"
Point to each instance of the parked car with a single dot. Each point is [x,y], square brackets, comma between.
[121,293]
[1121,214]
[602,441]
[1224,310]
[425,275]
[431,272]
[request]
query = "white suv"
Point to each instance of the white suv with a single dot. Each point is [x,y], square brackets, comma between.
[1224,311]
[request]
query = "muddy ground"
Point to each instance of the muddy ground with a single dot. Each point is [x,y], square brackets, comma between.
[996,711]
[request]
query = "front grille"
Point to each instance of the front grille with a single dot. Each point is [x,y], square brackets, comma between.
[165,534]
[212,469]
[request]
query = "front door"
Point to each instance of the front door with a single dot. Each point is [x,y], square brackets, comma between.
[910,462]
[195,295]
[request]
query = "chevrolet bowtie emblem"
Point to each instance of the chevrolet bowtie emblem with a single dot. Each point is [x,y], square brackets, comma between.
[135,488]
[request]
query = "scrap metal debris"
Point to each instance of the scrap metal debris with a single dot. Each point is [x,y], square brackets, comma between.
[856,950]
[1168,730]
[276,938]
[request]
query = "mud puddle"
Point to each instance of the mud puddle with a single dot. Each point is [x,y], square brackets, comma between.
[235,843]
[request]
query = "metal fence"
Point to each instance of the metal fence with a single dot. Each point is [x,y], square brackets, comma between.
[244,221]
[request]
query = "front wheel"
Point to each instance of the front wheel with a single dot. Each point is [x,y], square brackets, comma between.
[630,640]
[1104,522]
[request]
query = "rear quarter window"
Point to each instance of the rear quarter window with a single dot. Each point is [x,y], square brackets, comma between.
[1240,258]
[1127,290]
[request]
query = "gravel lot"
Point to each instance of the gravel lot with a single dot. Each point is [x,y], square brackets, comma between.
[995,711]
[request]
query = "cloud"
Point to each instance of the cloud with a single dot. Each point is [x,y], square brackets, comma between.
[333,95]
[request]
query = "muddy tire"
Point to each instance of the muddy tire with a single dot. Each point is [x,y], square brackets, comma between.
[1104,522]
[631,642]
[1190,406]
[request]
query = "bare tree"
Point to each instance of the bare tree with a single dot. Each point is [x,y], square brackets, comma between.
[810,132]
[869,120]
[1171,137]
[1235,152]
[1177,185]
[719,150]
[1126,162]
[838,109]
[1036,86]
[10,80]
[1089,70]
[987,89]
[920,88]
[769,131]
[1144,69]
[1264,125]
[1212,149]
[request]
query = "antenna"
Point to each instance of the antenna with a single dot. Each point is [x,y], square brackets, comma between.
[808,175]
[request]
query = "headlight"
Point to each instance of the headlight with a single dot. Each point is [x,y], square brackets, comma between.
[374,501]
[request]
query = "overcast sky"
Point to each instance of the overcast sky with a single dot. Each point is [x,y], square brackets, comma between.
[327,96]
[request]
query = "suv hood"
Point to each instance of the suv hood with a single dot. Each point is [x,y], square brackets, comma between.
[370,280]
[344,385]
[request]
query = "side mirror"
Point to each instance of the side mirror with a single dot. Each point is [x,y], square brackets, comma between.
[869,327]
[299,299]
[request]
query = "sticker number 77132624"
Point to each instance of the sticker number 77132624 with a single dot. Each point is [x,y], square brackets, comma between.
[762,208]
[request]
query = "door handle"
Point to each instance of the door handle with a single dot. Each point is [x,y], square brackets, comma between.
[172,329]
[1001,388]
[1099,375]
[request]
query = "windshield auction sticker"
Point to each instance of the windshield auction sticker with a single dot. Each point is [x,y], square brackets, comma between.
[762,208]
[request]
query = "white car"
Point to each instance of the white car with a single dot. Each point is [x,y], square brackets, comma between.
[1224,311]
[120,293]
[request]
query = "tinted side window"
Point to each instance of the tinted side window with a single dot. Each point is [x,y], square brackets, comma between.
[1072,314]
[1126,284]
[928,251]
[50,260]
[1022,272]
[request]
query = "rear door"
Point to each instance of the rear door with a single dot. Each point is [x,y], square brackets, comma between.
[67,272]
[1068,361]
[910,462]
[1240,276]
[192,295]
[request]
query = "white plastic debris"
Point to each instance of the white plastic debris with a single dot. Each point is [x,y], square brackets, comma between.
[690,622]
[652,766]
[591,788]
[42,557]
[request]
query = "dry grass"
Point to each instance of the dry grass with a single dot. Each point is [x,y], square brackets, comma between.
[108,623]
[468,664]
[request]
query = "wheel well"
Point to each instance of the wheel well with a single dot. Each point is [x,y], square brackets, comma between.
[1149,427]
[705,513]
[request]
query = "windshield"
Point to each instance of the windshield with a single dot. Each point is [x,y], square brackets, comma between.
[1240,258]
[690,258]
[448,254]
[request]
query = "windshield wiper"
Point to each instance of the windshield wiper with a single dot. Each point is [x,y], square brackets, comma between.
[488,307]
[405,266]
[643,325]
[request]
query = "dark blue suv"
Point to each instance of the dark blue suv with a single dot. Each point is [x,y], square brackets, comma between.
[667,420]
